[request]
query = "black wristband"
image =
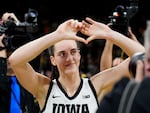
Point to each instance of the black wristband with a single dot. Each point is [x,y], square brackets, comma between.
[3,66]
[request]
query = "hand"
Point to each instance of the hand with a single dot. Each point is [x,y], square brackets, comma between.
[93,29]
[131,35]
[69,30]
[7,15]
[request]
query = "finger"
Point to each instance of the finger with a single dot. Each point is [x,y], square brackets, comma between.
[89,39]
[85,24]
[80,39]
[109,24]
[84,31]
[84,27]
[14,17]
[139,71]
[91,21]
[80,24]
[75,23]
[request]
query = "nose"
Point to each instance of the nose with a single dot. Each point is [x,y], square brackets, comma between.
[69,57]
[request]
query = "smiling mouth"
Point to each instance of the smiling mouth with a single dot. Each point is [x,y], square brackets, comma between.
[69,66]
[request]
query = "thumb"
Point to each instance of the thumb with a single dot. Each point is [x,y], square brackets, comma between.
[89,39]
[80,39]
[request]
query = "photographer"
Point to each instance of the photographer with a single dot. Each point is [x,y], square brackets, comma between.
[13,97]
[139,103]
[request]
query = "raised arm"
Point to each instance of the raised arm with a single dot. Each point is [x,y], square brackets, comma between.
[97,30]
[31,80]
[106,57]
[107,60]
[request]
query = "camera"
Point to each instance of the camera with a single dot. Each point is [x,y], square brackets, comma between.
[21,32]
[119,20]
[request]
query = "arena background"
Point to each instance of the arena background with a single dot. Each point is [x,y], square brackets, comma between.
[53,12]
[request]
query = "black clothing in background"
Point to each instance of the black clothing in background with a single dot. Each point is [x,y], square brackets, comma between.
[141,103]
[28,103]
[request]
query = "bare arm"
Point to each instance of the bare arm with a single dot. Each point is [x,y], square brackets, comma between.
[31,80]
[106,58]
[109,77]
[97,30]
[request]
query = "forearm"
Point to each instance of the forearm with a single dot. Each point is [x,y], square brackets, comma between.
[32,49]
[126,44]
[106,57]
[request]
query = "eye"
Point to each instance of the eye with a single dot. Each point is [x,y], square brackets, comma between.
[62,53]
[74,51]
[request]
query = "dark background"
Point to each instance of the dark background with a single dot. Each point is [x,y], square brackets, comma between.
[51,13]
[60,9]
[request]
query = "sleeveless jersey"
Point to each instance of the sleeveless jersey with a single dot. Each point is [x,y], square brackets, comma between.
[83,101]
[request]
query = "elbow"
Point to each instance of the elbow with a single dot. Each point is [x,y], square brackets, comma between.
[12,61]
[15,61]
[143,50]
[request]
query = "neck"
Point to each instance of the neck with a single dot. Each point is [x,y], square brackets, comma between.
[70,84]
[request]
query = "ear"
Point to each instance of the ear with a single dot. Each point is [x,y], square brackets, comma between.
[52,60]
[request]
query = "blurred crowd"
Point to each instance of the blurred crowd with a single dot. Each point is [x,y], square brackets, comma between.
[91,53]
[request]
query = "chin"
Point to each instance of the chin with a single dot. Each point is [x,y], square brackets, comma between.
[70,71]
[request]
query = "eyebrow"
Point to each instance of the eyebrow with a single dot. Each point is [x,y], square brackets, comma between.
[70,50]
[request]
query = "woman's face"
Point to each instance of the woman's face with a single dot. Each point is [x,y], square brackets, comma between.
[66,57]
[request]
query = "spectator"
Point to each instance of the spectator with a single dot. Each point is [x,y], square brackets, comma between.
[110,103]
[13,97]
